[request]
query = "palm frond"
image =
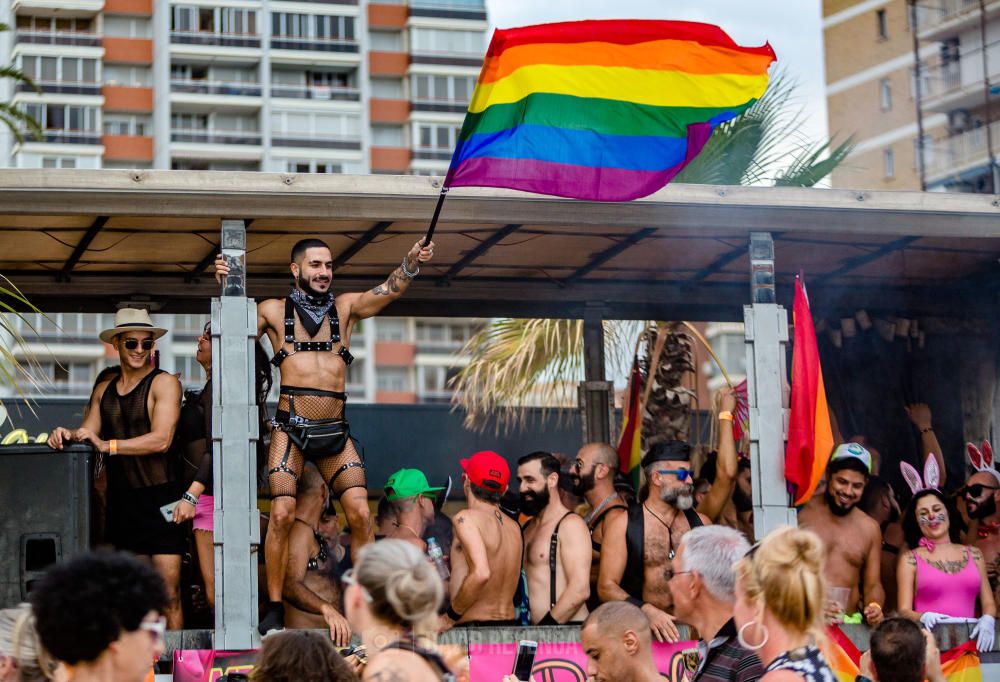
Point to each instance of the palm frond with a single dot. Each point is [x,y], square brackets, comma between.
[15,370]
[814,165]
[16,119]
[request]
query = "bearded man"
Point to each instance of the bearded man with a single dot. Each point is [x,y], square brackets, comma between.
[981,493]
[639,547]
[853,539]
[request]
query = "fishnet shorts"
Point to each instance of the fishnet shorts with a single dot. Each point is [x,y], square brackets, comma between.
[341,470]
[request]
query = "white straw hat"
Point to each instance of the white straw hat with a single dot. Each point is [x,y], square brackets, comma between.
[129,320]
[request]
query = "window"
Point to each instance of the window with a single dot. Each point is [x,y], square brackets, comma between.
[64,117]
[312,26]
[889,163]
[237,20]
[441,137]
[58,162]
[442,40]
[309,124]
[184,19]
[133,76]
[431,331]
[127,27]
[387,136]
[443,88]
[885,93]
[387,88]
[189,121]
[126,125]
[389,329]
[386,41]
[434,378]
[881,24]
[313,166]
[60,69]
[393,379]
[49,25]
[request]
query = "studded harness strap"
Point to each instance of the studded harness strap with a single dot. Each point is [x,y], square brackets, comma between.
[311,346]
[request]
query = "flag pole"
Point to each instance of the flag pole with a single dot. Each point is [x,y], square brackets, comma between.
[434,218]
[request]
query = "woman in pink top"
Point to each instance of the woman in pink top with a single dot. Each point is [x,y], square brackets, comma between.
[939,577]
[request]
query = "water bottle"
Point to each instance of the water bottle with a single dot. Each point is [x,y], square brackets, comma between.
[437,556]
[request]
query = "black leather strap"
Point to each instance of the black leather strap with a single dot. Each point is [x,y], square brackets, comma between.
[310,346]
[554,560]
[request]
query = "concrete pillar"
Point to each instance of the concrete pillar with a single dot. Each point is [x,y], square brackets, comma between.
[766,330]
[595,393]
[234,437]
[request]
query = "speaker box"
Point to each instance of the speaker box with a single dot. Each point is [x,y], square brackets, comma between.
[45,496]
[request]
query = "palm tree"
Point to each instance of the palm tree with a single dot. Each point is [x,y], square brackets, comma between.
[15,119]
[514,362]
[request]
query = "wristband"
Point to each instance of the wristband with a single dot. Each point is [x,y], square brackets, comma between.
[726,415]
[548,620]
[409,275]
[113,446]
[453,614]
[190,499]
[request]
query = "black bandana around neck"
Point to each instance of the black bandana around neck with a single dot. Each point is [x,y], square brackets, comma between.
[312,309]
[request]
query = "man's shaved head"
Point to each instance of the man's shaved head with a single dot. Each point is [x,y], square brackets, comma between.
[612,619]
[618,643]
[603,454]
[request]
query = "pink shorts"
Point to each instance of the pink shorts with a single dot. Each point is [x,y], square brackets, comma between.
[204,513]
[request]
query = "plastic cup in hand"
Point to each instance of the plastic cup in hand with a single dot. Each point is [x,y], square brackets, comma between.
[840,595]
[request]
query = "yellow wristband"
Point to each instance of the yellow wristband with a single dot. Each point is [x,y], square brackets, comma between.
[113,446]
[726,416]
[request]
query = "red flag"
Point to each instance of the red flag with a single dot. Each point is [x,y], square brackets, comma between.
[630,443]
[810,436]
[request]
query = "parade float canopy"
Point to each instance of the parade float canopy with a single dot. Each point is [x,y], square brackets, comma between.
[87,240]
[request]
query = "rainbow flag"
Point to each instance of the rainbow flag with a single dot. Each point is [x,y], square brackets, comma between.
[630,443]
[961,664]
[840,654]
[601,110]
[810,436]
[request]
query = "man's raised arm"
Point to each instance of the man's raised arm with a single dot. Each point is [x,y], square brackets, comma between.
[371,302]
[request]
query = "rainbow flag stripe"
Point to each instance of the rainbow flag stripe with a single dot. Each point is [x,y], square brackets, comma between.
[602,110]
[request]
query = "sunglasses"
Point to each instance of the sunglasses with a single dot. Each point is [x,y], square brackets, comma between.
[157,629]
[681,474]
[348,579]
[976,490]
[132,344]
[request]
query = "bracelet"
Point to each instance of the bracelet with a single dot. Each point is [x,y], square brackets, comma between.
[927,430]
[113,446]
[726,415]
[453,614]
[409,275]
[190,499]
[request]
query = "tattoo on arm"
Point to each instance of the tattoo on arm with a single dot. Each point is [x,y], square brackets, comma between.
[977,554]
[392,284]
[911,559]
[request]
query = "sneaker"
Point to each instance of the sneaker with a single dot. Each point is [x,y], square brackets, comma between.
[273,620]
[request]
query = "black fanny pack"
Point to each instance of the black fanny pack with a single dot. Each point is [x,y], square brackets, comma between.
[319,438]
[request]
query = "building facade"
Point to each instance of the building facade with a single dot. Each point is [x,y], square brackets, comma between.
[297,86]
[895,68]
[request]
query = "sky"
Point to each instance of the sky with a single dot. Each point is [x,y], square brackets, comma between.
[793,27]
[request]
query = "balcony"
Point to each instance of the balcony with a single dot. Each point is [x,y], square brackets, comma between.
[78,38]
[430,154]
[474,10]
[946,89]
[62,88]
[959,154]
[316,92]
[127,98]
[240,137]
[66,9]
[314,44]
[91,137]
[448,58]
[206,87]
[280,139]
[441,106]
[215,39]
[938,19]
[127,147]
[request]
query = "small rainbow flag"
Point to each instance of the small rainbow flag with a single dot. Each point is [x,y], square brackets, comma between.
[630,442]
[602,110]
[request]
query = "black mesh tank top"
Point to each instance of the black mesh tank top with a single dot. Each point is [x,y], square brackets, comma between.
[127,416]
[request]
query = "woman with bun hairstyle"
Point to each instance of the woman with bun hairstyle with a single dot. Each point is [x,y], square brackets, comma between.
[391,599]
[22,658]
[780,595]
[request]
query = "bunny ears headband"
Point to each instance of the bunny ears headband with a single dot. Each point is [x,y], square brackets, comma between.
[932,475]
[982,460]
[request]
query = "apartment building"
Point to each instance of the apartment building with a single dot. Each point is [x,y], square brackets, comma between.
[300,86]
[396,359]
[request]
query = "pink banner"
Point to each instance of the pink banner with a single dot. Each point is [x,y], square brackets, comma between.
[191,665]
[562,661]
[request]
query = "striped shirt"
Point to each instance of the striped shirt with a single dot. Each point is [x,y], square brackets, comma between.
[724,660]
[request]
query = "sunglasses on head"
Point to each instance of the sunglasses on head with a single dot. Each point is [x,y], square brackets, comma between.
[976,489]
[207,332]
[132,344]
[681,474]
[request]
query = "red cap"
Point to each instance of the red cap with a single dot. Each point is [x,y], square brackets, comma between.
[487,470]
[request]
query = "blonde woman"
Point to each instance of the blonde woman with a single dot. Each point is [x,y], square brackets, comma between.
[391,598]
[22,658]
[780,594]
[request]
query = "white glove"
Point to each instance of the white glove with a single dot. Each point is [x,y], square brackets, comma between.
[984,632]
[929,619]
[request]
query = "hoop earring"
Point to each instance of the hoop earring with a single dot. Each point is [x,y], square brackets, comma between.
[743,641]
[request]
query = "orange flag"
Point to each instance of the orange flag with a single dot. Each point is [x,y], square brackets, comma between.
[810,436]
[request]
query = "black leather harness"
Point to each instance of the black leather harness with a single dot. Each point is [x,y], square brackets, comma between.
[311,346]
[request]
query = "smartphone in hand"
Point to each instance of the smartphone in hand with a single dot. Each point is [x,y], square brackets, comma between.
[525,659]
[168,511]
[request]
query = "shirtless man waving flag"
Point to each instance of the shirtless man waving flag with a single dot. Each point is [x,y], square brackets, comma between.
[311,332]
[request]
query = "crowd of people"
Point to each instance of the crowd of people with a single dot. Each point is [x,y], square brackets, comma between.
[557,541]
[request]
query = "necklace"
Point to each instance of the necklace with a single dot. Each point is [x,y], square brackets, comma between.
[596,511]
[668,526]
[403,525]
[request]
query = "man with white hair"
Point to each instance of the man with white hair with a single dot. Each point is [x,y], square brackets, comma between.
[703,585]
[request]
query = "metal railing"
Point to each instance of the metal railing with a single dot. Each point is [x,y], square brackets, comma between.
[316,92]
[452,106]
[58,38]
[206,87]
[63,87]
[213,38]
[960,151]
[933,13]
[214,136]
[65,137]
[314,44]
[280,139]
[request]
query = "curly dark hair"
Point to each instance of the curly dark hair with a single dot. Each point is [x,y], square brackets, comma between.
[85,604]
[300,656]
[911,526]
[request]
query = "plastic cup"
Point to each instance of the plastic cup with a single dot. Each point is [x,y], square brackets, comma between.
[840,595]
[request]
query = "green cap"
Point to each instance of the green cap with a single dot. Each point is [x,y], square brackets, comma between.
[408,483]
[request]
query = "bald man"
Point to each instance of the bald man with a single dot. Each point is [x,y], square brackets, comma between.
[618,642]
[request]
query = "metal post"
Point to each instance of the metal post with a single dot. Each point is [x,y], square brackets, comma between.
[918,88]
[595,392]
[766,333]
[234,436]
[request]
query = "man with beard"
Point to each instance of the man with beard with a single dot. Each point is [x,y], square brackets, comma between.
[639,547]
[594,474]
[310,331]
[981,493]
[879,502]
[853,540]
[557,551]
